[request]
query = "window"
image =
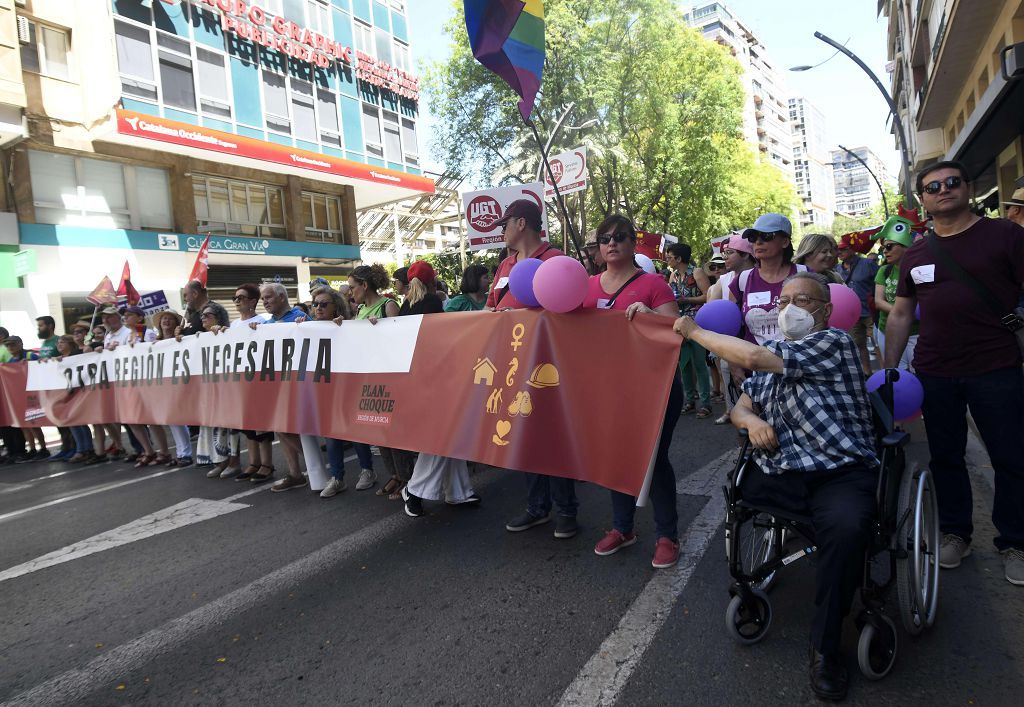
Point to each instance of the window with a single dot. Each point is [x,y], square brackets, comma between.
[82,191]
[321,215]
[383,44]
[327,114]
[409,141]
[213,84]
[362,38]
[402,56]
[392,137]
[303,115]
[371,132]
[176,81]
[230,207]
[47,51]
[275,102]
[318,15]
[135,59]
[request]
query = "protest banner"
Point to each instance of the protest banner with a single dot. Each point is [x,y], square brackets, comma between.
[520,389]
[483,209]
[570,170]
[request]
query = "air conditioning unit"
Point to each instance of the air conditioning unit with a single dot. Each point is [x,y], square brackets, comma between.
[24,33]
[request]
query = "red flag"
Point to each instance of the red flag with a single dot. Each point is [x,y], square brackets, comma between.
[649,244]
[104,293]
[201,268]
[126,289]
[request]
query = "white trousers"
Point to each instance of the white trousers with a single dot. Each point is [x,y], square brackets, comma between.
[907,359]
[432,474]
[315,469]
[182,440]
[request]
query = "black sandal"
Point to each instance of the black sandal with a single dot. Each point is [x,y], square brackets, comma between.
[249,472]
[263,478]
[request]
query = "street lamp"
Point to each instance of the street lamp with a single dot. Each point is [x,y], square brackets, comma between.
[908,192]
[878,182]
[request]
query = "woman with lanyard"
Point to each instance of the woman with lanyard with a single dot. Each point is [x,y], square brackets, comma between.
[627,288]
[135,321]
[757,290]
[739,257]
[365,284]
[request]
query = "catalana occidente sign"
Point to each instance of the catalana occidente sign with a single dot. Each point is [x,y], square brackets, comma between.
[253,22]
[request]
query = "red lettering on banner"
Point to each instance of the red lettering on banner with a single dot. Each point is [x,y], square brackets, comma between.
[280,25]
[307,37]
[257,15]
[294,31]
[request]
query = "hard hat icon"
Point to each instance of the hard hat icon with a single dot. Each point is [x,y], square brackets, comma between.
[544,376]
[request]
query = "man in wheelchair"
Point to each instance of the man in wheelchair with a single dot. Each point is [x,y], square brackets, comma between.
[815,448]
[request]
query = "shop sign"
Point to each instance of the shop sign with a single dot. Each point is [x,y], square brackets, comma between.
[254,23]
[483,209]
[570,170]
[163,130]
[24,263]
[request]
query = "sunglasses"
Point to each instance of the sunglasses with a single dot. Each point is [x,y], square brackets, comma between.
[889,246]
[715,266]
[935,187]
[618,237]
[762,237]
[239,298]
[321,305]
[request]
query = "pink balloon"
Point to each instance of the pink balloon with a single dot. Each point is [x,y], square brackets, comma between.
[560,284]
[845,307]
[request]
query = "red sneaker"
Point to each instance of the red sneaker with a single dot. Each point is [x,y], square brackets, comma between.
[666,554]
[613,541]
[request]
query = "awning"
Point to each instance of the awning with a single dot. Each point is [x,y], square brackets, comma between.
[372,185]
[997,121]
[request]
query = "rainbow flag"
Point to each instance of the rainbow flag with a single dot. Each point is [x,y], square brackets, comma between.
[507,36]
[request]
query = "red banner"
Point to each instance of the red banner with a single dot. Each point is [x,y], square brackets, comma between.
[557,394]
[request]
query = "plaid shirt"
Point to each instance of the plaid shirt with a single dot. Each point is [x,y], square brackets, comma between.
[818,405]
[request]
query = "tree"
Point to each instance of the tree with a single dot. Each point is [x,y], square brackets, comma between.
[668,150]
[448,264]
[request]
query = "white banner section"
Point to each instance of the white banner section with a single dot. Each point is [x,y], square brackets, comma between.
[570,170]
[483,209]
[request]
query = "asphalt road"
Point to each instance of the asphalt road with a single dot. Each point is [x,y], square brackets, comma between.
[291,599]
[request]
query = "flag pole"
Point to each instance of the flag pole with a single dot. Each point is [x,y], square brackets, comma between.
[558,195]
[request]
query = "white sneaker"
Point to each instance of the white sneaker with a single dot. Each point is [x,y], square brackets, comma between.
[1013,563]
[231,472]
[952,550]
[367,478]
[333,488]
[213,473]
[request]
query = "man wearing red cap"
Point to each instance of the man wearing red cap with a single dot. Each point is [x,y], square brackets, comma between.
[859,275]
[521,225]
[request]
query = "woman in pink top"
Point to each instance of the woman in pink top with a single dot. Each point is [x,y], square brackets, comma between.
[625,287]
[757,291]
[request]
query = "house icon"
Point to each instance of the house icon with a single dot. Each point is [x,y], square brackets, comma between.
[483,372]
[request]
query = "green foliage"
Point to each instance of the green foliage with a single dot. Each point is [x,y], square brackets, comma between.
[448,264]
[667,151]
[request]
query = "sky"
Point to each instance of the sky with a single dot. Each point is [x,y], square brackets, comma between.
[855,112]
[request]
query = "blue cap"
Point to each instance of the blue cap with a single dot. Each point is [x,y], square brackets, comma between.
[771,223]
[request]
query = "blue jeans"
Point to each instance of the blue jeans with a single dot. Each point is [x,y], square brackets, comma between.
[663,480]
[996,402]
[364,454]
[336,456]
[542,490]
[83,439]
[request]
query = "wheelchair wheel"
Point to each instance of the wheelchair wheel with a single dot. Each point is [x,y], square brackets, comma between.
[748,621]
[917,561]
[758,545]
[876,648]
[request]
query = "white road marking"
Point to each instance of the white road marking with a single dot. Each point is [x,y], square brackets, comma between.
[83,494]
[194,510]
[76,684]
[602,679]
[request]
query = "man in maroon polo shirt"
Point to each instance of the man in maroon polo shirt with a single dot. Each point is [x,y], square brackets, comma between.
[521,225]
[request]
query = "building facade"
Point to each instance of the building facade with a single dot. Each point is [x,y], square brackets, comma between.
[812,161]
[766,123]
[955,100]
[856,188]
[149,125]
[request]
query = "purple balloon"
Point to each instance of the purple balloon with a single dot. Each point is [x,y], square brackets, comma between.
[720,316]
[520,281]
[917,312]
[907,393]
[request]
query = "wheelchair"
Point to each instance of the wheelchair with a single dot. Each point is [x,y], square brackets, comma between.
[761,541]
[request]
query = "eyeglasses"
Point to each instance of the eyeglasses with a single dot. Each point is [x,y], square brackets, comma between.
[618,237]
[935,187]
[715,266]
[239,298]
[763,237]
[800,301]
[206,315]
[321,305]
[889,246]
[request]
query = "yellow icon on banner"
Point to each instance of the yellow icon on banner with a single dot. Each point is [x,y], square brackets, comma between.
[522,405]
[510,377]
[494,401]
[501,428]
[518,332]
[483,372]
[544,376]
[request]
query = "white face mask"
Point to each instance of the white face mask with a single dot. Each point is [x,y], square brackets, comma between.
[795,322]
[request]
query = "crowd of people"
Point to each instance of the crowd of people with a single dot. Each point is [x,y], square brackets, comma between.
[792,382]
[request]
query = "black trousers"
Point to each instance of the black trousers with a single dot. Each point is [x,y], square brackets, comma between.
[14,440]
[841,504]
